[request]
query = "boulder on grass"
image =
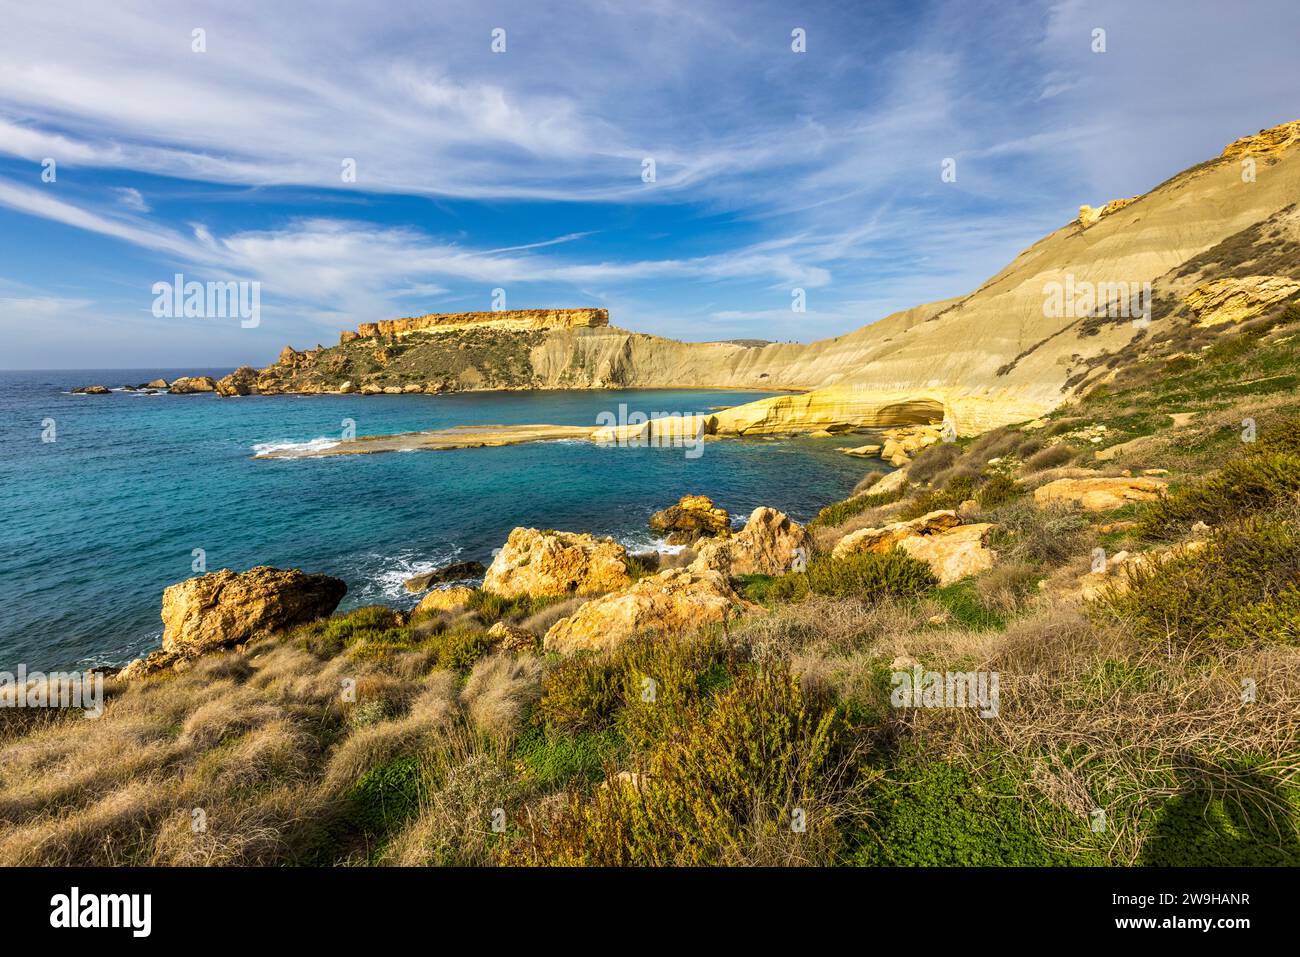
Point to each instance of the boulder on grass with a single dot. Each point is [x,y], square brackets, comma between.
[769,544]
[1099,494]
[676,601]
[226,608]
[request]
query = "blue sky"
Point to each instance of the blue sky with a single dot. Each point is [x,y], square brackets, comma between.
[522,170]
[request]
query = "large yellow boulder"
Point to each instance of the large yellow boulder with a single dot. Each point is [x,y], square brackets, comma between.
[1099,494]
[769,544]
[885,538]
[455,598]
[952,550]
[224,608]
[692,518]
[1236,300]
[535,562]
[676,601]
[953,554]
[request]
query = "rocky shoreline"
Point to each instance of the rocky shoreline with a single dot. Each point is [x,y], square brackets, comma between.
[625,594]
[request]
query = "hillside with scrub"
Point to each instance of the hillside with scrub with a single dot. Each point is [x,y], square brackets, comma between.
[1128,566]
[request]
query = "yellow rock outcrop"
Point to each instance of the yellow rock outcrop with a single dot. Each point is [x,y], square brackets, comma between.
[1236,300]
[1264,142]
[534,562]
[952,550]
[771,543]
[676,601]
[1089,215]
[1099,494]
[505,319]
[455,598]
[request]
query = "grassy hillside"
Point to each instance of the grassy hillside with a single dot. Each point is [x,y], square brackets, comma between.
[1153,724]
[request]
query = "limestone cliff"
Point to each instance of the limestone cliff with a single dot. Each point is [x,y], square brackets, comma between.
[512,319]
[1025,341]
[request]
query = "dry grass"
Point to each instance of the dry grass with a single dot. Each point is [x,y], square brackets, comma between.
[500,691]
[261,743]
[469,789]
[540,622]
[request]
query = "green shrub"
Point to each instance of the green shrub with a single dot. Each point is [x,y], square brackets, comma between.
[663,677]
[870,576]
[962,601]
[998,490]
[727,780]
[1255,481]
[459,647]
[554,760]
[579,693]
[755,587]
[637,567]
[1242,588]
[373,624]
[386,796]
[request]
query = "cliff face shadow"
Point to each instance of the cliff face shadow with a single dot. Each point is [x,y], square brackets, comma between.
[1227,816]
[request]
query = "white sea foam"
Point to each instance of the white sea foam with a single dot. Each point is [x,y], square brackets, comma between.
[318,444]
[385,575]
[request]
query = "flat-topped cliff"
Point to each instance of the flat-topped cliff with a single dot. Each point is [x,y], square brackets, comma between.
[510,319]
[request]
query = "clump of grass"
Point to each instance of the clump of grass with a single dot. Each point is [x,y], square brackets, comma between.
[998,490]
[372,624]
[1006,586]
[553,759]
[579,693]
[1041,537]
[1053,456]
[932,460]
[956,490]
[500,691]
[964,603]
[491,607]
[870,576]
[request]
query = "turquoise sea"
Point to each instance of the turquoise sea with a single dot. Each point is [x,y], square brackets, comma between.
[95,523]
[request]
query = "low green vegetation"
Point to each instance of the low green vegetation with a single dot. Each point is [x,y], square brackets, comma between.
[1243,587]
[841,512]
[869,576]
[929,813]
